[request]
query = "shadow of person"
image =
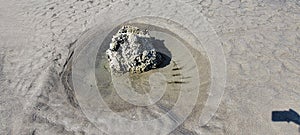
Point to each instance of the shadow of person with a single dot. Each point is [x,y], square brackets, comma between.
[286,116]
[163,51]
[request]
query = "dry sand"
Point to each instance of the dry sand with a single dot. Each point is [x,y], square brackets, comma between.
[260,41]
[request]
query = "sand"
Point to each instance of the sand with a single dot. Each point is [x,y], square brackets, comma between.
[260,40]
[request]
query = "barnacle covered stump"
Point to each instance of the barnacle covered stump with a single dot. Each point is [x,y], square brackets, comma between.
[131,50]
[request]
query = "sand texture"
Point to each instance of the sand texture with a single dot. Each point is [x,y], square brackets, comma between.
[40,39]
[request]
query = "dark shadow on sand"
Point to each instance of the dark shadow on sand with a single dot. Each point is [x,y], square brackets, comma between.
[286,116]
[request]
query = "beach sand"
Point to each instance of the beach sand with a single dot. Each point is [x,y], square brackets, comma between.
[260,40]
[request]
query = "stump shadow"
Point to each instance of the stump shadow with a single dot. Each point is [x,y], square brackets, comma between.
[163,51]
